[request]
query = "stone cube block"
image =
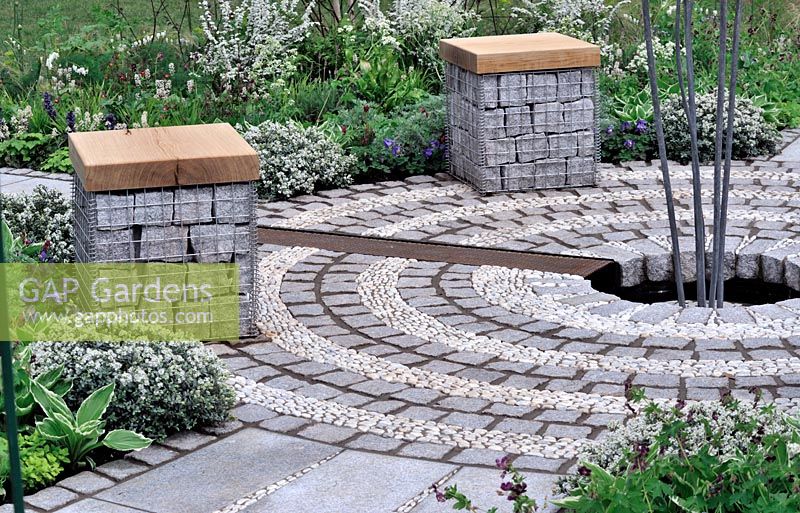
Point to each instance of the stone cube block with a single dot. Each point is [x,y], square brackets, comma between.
[114,210]
[153,207]
[578,115]
[563,145]
[518,121]
[490,180]
[219,242]
[548,117]
[495,123]
[114,245]
[513,89]
[532,147]
[542,87]
[518,176]
[586,146]
[233,203]
[491,94]
[550,173]
[163,243]
[587,82]
[501,151]
[569,85]
[193,204]
[581,171]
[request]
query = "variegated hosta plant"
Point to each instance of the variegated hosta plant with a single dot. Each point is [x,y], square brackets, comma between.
[84,431]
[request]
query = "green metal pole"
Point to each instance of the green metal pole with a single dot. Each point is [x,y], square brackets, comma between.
[7,368]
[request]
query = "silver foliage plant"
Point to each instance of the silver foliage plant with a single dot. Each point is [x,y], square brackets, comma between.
[161,387]
[722,429]
[297,160]
[42,215]
[251,45]
[723,150]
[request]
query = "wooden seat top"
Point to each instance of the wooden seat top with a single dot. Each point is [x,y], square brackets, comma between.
[519,52]
[162,157]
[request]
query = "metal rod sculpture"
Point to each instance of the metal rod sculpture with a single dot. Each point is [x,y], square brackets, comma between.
[723,51]
[684,26]
[726,178]
[7,367]
[662,152]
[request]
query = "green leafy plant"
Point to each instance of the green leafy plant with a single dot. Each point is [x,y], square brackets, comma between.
[24,149]
[23,382]
[58,162]
[84,431]
[161,387]
[15,249]
[717,456]
[42,215]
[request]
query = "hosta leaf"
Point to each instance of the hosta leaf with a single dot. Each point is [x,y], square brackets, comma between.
[124,440]
[50,402]
[95,405]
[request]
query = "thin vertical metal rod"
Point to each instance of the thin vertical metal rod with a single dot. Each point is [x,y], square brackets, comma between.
[721,75]
[7,368]
[691,114]
[11,425]
[726,179]
[662,152]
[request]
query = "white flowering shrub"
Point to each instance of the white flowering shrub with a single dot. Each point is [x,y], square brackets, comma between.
[752,134]
[589,20]
[720,428]
[41,216]
[161,387]
[251,46]
[420,24]
[297,160]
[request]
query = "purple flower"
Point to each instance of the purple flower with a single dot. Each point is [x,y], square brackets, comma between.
[584,471]
[507,486]
[388,142]
[43,256]
[47,100]
[502,463]
[609,130]
[629,144]
[439,495]
[396,150]
[641,126]
[428,152]
[111,121]
[626,126]
[71,121]
[435,144]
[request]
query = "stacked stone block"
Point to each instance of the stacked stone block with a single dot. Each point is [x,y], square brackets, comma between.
[525,130]
[197,223]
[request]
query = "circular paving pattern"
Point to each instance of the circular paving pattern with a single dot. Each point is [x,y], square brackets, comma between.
[463,363]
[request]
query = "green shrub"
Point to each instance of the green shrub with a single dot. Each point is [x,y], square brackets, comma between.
[44,215]
[161,387]
[752,135]
[409,141]
[297,160]
[720,456]
[42,461]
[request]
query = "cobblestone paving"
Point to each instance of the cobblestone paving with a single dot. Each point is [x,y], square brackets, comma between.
[375,370]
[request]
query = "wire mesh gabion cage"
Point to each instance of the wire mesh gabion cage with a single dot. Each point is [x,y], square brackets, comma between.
[206,224]
[522,130]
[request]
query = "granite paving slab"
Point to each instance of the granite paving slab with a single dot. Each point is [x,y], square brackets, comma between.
[218,474]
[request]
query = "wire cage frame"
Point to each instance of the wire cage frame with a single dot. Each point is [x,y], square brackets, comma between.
[212,223]
[522,130]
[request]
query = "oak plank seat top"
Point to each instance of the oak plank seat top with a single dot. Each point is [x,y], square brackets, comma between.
[162,157]
[519,52]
